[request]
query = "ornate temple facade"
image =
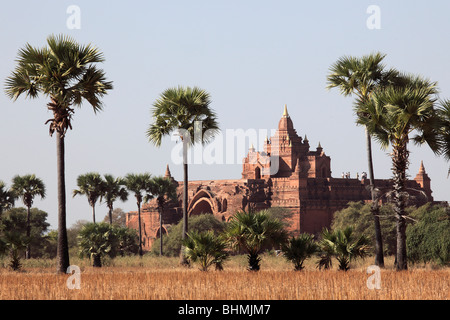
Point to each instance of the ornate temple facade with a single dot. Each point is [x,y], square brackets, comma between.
[287,174]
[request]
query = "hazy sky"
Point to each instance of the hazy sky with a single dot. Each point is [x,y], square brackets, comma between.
[251,56]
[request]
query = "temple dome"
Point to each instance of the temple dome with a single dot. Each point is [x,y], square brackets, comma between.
[285,122]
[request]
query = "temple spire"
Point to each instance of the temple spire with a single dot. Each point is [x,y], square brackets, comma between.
[285,112]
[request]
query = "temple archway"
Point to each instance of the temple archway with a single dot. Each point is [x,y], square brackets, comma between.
[158,232]
[202,206]
[202,202]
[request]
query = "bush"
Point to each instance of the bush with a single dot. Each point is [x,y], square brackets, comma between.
[428,238]
[357,215]
[172,241]
[99,240]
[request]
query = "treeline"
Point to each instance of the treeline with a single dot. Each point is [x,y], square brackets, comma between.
[83,237]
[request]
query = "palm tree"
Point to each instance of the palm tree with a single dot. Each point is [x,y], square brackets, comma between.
[395,114]
[205,248]
[91,185]
[298,249]
[112,190]
[164,190]
[187,112]
[361,76]
[444,114]
[139,184]
[342,245]
[254,232]
[28,187]
[64,71]
[7,198]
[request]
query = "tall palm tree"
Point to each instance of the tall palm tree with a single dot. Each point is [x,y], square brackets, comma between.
[187,112]
[7,198]
[396,113]
[253,232]
[66,72]
[164,190]
[113,189]
[361,77]
[444,114]
[28,187]
[91,185]
[139,184]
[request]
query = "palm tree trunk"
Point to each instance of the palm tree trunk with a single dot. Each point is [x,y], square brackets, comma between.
[63,247]
[110,215]
[183,259]
[28,251]
[400,165]
[374,208]
[93,213]
[140,229]
[160,232]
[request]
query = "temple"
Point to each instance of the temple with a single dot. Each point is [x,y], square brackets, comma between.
[287,174]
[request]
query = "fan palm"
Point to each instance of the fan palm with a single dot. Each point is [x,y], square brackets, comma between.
[28,187]
[444,114]
[139,184]
[113,189]
[164,190]
[66,72]
[361,77]
[91,185]
[206,248]
[395,114]
[187,112]
[342,245]
[7,198]
[298,249]
[253,232]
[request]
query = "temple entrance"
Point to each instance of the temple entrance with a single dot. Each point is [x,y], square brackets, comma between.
[202,206]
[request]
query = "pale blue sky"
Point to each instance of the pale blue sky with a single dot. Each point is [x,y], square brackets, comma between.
[252,56]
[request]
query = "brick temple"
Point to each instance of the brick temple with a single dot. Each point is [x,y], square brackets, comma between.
[287,174]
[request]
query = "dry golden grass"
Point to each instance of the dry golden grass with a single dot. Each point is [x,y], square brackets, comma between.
[157,279]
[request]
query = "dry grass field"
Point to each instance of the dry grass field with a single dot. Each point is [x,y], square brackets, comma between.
[152,278]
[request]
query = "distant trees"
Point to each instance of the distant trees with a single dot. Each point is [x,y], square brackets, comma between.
[27,187]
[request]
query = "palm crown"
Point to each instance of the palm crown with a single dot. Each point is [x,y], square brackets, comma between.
[177,109]
[28,187]
[65,71]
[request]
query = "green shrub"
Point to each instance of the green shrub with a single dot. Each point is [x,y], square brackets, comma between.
[428,238]
[172,240]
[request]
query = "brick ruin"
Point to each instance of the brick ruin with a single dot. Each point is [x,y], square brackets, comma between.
[302,184]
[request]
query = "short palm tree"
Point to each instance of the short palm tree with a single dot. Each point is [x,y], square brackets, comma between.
[342,245]
[254,232]
[91,185]
[113,189]
[298,249]
[187,112]
[164,190]
[7,198]
[139,184]
[66,72]
[361,77]
[97,240]
[205,248]
[396,113]
[28,187]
